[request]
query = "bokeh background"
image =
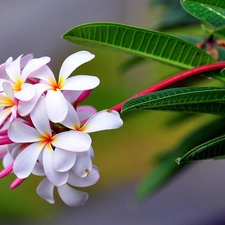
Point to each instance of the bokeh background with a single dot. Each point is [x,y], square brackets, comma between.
[194,197]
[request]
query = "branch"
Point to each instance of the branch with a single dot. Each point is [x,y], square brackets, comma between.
[174,79]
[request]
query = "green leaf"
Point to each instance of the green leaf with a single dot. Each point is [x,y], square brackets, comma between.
[219,32]
[141,42]
[210,15]
[220,4]
[194,99]
[167,168]
[211,149]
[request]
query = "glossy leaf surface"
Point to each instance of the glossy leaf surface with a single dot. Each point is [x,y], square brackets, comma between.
[194,99]
[210,15]
[212,149]
[141,42]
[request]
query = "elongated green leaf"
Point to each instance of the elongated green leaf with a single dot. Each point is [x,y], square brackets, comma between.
[166,167]
[214,3]
[212,149]
[142,42]
[210,15]
[197,99]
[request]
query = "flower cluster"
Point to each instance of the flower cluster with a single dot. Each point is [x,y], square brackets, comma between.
[43,130]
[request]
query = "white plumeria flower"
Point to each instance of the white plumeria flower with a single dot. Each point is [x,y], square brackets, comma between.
[17,76]
[103,120]
[41,140]
[55,101]
[69,196]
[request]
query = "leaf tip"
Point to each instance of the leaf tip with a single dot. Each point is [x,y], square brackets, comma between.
[178,160]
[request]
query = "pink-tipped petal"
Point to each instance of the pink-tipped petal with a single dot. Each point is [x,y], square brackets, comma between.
[74,141]
[26,160]
[72,120]
[45,190]
[16,183]
[55,177]
[103,120]
[22,133]
[81,83]
[83,164]
[3,151]
[73,61]
[71,96]
[26,93]
[63,160]
[72,197]
[6,170]
[56,106]
[87,181]
[39,117]
[83,96]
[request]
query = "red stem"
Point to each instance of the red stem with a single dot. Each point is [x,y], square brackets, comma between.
[174,79]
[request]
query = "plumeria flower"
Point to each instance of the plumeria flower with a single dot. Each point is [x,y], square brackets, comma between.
[69,195]
[56,104]
[42,141]
[17,76]
[103,120]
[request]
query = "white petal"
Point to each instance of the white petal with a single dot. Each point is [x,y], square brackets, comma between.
[45,190]
[39,117]
[63,160]
[81,82]
[72,120]
[75,141]
[13,70]
[56,106]
[73,61]
[22,133]
[87,181]
[72,197]
[26,93]
[103,120]
[4,114]
[38,169]
[7,160]
[83,164]
[25,107]
[85,112]
[25,59]
[26,160]
[91,153]
[34,64]
[7,88]
[44,73]
[55,177]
